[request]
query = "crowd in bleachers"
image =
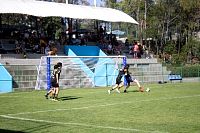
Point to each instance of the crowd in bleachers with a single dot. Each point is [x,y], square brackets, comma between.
[27,42]
[30,41]
[133,50]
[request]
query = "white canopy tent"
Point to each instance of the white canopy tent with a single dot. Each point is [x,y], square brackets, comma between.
[50,9]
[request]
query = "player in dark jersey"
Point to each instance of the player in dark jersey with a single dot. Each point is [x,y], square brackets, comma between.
[58,72]
[119,83]
[130,79]
[55,76]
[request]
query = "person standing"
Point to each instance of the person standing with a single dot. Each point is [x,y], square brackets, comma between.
[55,76]
[58,72]
[135,50]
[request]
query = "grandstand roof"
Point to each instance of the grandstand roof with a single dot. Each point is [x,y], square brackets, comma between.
[50,9]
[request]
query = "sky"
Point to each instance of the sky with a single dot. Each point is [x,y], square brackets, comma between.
[99,2]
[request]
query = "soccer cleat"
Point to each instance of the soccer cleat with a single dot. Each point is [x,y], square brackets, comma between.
[46,96]
[108,91]
[54,100]
[125,91]
[117,90]
[141,89]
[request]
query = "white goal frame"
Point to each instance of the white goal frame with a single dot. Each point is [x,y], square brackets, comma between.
[47,62]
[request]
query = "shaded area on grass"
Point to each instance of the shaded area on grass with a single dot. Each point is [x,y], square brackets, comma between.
[9,131]
[68,98]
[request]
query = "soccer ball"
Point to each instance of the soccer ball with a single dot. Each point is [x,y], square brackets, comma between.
[147,90]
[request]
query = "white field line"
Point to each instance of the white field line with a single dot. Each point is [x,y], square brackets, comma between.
[102,105]
[79,124]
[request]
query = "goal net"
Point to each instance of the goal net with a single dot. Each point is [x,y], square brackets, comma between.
[80,71]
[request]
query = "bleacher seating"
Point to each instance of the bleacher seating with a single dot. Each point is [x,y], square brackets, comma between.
[8,47]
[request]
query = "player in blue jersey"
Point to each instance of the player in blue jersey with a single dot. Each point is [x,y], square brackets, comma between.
[130,79]
[119,83]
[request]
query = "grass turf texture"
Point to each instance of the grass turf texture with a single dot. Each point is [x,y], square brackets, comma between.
[173,107]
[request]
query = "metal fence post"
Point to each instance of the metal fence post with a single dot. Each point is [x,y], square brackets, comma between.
[199,72]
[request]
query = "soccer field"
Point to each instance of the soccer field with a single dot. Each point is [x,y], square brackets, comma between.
[171,107]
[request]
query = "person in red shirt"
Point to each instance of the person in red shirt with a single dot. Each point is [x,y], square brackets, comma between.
[135,50]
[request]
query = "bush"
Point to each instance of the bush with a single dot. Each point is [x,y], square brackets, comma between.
[187,71]
[178,59]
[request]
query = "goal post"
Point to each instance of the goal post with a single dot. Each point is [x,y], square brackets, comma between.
[80,71]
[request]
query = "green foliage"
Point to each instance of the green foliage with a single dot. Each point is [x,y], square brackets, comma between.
[177,60]
[170,48]
[193,45]
[189,4]
[131,38]
[164,18]
[187,71]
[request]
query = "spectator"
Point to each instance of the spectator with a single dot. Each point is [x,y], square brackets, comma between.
[135,50]
[140,52]
[17,47]
[42,45]
[47,49]
[126,43]
[101,31]
[110,49]
[53,51]
[82,41]
[36,48]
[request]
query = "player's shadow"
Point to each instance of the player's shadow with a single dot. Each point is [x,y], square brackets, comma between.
[133,91]
[9,131]
[68,98]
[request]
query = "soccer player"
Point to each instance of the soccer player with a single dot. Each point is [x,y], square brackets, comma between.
[119,83]
[129,79]
[58,78]
[55,76]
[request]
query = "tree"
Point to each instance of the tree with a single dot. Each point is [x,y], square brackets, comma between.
[161,20]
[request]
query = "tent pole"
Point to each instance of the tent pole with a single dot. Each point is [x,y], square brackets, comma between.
[95,3]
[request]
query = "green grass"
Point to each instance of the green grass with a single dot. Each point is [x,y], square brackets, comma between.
[172,107]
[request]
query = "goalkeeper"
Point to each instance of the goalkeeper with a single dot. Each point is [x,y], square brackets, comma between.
[129,79]
[55,76]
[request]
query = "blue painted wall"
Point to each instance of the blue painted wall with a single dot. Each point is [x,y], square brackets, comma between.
[5,80]
[83,50]
[106,72]
[82,65]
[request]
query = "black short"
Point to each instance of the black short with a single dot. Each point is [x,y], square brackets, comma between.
[118,81]
[54,84]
